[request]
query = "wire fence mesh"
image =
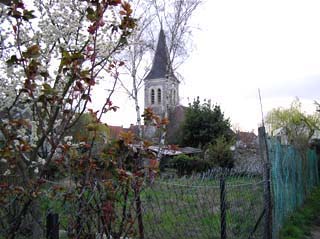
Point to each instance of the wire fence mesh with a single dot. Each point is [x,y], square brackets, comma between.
[191,207]
[172,207]
[219,203]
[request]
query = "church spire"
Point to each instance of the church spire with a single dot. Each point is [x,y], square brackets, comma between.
[161,67]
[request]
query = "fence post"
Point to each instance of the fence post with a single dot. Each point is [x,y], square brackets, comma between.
[267,183]
[223,218]
[52,226]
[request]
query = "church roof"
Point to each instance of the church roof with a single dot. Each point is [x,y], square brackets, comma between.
[161,67]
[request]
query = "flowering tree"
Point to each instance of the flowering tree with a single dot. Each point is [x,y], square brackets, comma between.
[52,55]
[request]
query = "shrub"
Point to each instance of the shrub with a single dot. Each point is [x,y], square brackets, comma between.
[219,153]
[187,165]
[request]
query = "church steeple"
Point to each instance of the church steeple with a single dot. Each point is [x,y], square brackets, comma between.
[161,66]
[161,88]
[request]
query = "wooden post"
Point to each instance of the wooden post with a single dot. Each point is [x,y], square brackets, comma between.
[267,183]
[52,226]
[223,213]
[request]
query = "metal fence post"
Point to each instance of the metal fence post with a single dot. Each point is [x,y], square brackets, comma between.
[267,183]
[223,218]
[52,226]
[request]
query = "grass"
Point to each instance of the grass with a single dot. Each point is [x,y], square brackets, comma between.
[299,224]
[189,208]
[184,208]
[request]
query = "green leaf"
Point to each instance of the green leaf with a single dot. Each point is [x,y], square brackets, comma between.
[42,98]
[15,14]
[66,59]
[91,14]
[47,89]
[85,73]
[28,15]
[46,86]
[92,127]
[77,56]
[13,59]
[44,74]
[32,52]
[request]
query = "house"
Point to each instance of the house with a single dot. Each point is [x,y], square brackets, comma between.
[246,139]
[115,131]
[246,154]
[282,135]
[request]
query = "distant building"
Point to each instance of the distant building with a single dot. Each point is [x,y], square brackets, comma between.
[246,154]
[115,131]
[161,92]
[246,139]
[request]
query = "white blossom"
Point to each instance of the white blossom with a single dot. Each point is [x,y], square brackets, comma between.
[16,142]
[7,172]
[34,135]
[41,161]
[36,170]
[68,138]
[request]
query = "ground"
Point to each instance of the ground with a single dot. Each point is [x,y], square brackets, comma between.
[315,234]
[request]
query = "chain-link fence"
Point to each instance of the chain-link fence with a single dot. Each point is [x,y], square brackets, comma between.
[217,204]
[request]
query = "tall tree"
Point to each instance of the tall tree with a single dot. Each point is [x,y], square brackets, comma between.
[203,124]
[174,16]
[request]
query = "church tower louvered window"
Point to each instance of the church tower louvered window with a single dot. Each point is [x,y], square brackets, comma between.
[152,96]
[159,96]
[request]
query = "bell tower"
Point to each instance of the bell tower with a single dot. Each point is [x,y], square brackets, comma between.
[161,87]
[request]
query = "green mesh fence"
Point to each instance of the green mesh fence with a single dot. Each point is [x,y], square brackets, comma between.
[293,176]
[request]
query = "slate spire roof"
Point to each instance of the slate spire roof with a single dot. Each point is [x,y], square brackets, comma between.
[161,67]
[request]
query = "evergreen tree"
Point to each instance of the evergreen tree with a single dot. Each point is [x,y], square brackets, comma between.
[203,124]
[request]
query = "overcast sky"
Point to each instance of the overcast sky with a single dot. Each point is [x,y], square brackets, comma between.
[244,45]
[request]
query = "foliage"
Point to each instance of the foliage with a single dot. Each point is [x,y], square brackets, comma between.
[89,129]
[187,165]
[86,126]
[219,153]
[298,126]
[203,124]
[317,105]
[300,223]
[47,79]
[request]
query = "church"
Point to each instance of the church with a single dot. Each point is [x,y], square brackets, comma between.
[161,91]
[161,94]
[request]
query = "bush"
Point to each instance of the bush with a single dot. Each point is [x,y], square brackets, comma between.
[187,165]
[219,153]
[203,123]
